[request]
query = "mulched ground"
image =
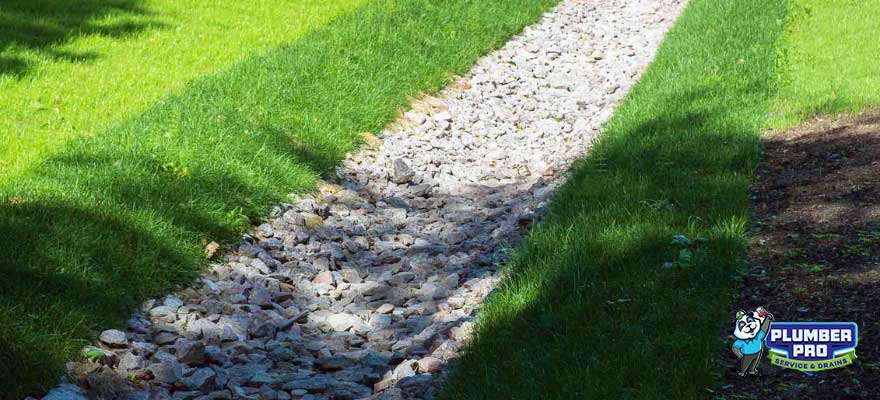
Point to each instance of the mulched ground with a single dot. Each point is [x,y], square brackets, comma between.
[815,253]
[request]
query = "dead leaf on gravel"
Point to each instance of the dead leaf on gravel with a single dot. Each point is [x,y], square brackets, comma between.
[211,250]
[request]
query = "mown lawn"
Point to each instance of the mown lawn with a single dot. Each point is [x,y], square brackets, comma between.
[72,68]
[112,217]
[828,59]
[588,309]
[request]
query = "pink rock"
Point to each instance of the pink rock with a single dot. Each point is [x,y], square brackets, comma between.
[430,365]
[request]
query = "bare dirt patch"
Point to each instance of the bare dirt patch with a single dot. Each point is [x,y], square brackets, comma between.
[815,250]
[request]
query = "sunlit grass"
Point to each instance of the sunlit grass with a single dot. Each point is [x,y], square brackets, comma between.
[72,68]
[828,59]
[109,219]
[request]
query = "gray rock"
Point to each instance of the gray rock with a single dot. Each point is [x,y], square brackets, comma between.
[143,349]
[334,363]
[402,172]
[130,361]
[431,291]
[166,370]
[136,395]
[164,338]
[380,321]
[185,394]
[374,360]
[415,385]
[163,311]
[389,394]
[205,329]
[402,278]
[114,338]
[446,350]
[349,390]
[265,329]
[203,379]
[242,374]
[190,352]
[350,275]
[219,395]
[261,379]
[261,297]
[313,384]
[173,302]
[66,391]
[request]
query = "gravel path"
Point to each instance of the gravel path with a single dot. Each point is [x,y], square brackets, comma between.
[367,288]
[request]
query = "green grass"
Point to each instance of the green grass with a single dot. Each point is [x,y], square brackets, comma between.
[112,218]
[71,68]
[586,309]
[828,59]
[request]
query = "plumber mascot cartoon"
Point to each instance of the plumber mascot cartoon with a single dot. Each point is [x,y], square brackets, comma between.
[750,329]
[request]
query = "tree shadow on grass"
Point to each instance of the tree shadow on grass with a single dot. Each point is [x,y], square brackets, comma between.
[589,279]
[66,269]
[122,216]
[41,25]
[108,222]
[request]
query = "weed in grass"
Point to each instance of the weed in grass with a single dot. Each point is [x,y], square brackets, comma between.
[687,249]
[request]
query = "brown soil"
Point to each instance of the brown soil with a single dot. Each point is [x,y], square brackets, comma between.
[815,252]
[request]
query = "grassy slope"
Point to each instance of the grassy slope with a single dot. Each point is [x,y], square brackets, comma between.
[586,310]
[120,216]
[71,68]
[829,59]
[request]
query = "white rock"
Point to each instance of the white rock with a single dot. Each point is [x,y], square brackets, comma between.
[342,322]
[385,308]
[442,116]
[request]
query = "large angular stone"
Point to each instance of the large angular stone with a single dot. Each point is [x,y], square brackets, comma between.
[341,322]
[334,363]
[430,365]
[190,352]
[130,362]
[166,370]
[203,380]
[114,338]
[402,172]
